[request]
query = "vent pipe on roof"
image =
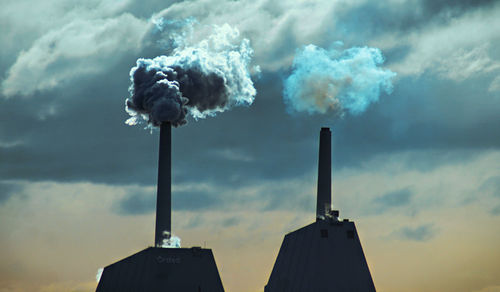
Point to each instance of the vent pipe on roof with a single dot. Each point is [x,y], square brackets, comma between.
[164,193]
[324,199]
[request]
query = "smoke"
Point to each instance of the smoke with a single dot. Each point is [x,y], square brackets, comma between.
[336,81]
[99,274]
[200,79]
[170,241]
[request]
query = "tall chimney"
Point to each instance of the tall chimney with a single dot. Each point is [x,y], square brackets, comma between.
[164,193]
[324,200]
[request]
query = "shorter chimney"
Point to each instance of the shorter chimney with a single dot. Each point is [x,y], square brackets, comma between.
[324,199]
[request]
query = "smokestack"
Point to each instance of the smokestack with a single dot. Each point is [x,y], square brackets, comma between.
[324,200]
[164,193]
[195,79]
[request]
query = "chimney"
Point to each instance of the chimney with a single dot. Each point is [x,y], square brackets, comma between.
[324,199]
[164,193]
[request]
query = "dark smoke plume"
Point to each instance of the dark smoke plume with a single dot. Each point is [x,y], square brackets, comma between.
[203,79]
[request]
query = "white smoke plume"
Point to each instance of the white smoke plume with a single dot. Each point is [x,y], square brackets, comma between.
[99,274]
[200,79]
[170,241]
[336,81]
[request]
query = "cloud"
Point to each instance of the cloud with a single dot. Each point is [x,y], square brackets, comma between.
[463,64]
[138,201]
[275,29]
[420,115]
[423,232]
[396,198]
[197,200]
[233,154]
[406,190]
[297,194]
[412,191]
[444,6]
[7,190]
[78,48]
[192,197]
[495,211]
[413,119]
[401,16]
[119,236]
[495,84]
[491,186]
[194,222]
[231,221]
[271,195]
[19,34]
[456,50]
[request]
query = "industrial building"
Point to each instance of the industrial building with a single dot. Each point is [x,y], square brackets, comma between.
[325,255]
[162,268]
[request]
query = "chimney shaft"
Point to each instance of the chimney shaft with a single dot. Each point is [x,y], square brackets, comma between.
[164,193]
[324,199]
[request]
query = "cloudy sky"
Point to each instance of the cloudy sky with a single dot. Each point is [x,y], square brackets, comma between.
[418,172]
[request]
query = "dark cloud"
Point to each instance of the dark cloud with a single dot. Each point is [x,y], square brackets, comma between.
[140,201]
[394,201]
[229,222]
[491,186]
[422,114]
[372,18]
[194,222]
[7,190]
[288,196]
[396,53]
[86,139]
[396,198]
[197,200]
[495,211]
[276,195]
[264,132]
[452,7]
[146,9]
[136,203]
[76,132]
[423,232]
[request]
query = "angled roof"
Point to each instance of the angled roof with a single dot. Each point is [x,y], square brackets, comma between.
[163,269]
[323,256]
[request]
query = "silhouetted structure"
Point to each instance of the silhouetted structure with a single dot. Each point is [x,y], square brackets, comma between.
[164,189]
[156,269]
[163,269]
[324,193]
[325,255]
